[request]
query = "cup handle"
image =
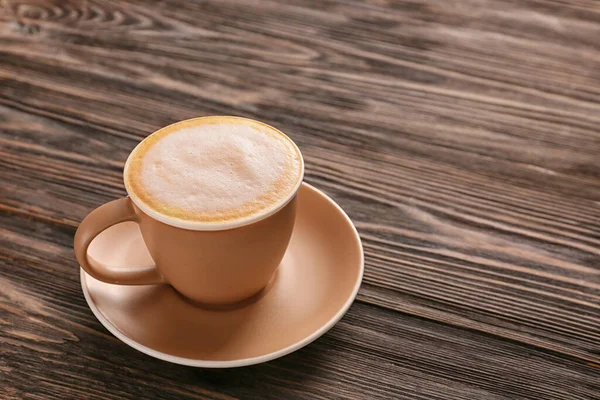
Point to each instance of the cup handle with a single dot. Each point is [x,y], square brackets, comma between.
[100,219]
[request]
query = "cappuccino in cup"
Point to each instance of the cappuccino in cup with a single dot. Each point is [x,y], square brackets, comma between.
[214,170]
[215,200]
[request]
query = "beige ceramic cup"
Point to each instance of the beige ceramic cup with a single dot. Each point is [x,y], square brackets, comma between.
[211,265]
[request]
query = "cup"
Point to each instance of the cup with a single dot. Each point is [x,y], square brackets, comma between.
[208,265]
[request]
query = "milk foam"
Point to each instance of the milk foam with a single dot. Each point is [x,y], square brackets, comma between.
[214,172]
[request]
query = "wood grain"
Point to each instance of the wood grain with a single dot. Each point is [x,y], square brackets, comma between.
[461,137]
[374,352]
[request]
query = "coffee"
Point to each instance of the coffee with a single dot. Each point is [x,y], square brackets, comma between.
[214,170]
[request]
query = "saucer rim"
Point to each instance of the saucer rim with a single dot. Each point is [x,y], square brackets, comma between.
[244,361]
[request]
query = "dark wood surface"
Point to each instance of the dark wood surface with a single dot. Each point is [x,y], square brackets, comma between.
[462,137]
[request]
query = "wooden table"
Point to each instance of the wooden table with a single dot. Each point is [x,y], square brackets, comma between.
[462,137]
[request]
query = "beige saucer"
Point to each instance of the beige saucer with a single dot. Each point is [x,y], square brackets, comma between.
[314,286]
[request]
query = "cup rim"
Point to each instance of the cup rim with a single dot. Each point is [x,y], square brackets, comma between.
[210,226]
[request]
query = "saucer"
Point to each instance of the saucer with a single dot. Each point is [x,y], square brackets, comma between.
[312,289]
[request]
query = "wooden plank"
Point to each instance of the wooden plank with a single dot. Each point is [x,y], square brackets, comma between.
[50,337]
[461,137]
[435,246]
